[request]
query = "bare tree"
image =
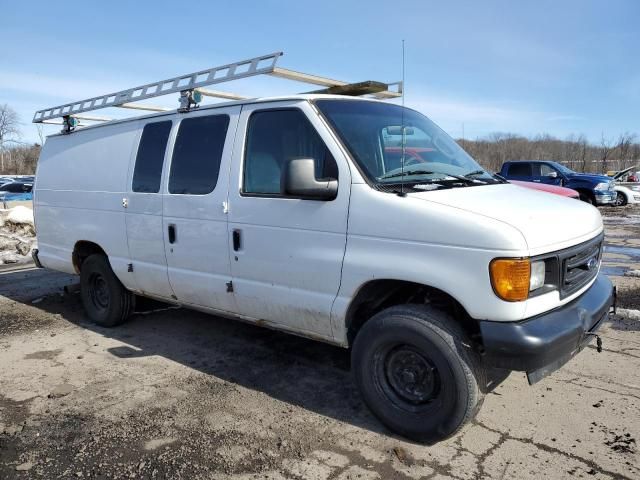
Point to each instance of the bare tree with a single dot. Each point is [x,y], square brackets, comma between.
[9,129]
[41,134]
[606,148]
[625,142]
[582,142]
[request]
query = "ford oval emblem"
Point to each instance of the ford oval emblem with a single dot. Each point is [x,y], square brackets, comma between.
[592,263]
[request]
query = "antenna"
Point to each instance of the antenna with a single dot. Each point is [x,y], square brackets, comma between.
[402,129]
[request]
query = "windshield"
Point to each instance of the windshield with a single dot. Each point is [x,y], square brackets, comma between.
[373,133]
[562,168]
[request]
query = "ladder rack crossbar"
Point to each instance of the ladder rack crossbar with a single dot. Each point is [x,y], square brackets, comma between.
[224,73]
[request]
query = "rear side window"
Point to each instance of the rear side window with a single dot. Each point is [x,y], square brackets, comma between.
[276,136]
[520,169]
[148,170]
[197,155]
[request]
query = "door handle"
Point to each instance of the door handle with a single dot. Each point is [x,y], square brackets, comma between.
[172,233]
[236,240]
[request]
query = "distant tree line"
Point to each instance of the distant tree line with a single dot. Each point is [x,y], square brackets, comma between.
[16,157]
[574,151]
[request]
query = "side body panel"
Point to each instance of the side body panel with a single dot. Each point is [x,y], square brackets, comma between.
[82,180]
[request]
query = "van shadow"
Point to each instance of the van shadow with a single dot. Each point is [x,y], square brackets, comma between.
[306,373]
[295,370]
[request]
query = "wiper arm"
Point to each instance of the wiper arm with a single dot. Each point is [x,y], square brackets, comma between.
[468,181]
[406,174]
[474,173]
[480,172]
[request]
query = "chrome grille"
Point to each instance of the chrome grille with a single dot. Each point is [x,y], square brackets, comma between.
[579,265]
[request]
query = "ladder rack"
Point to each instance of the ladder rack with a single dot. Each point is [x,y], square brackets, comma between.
[190,87]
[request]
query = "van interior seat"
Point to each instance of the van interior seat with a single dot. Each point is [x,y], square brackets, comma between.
[263,173]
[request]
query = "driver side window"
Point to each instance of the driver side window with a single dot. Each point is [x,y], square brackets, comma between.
[545,170]
[273,138]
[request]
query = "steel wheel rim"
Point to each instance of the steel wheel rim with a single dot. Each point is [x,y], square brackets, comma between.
[407,377]
[99,291]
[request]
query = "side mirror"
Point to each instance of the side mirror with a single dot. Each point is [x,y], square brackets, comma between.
[299,180]
[553,175]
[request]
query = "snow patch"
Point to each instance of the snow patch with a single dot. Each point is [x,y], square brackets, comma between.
[20,215]
[629,313]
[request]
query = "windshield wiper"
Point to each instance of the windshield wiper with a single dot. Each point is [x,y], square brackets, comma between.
[474,173]
[480,172]
[468,181]
[403,174]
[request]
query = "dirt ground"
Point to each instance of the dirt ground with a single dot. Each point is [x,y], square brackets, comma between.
[179,394]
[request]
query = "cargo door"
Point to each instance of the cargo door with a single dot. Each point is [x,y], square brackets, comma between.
[194,209]
[143,207]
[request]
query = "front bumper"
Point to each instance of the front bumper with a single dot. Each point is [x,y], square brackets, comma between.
[542,344]
[605,197]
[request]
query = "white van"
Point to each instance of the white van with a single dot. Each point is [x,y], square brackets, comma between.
[299,213]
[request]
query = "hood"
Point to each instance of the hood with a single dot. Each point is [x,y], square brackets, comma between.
[619,174]
[547,222]
[544,187]
[592,177]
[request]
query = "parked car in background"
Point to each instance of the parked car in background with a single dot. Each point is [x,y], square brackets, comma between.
[592,188]
[16,191]
[627,186]
[543,187]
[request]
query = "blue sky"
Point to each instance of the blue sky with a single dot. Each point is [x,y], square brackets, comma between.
[523,67]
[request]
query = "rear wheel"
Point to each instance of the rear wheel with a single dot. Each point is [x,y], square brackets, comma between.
[417,372]
[104,298]
[621,200]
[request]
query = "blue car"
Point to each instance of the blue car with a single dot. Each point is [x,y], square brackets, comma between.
[16,191]
[593,188]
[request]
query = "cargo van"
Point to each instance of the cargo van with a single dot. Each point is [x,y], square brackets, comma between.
[305,214]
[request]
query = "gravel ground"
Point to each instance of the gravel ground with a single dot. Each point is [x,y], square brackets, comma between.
[179,394]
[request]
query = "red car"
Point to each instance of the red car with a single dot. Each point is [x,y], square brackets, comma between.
[543,187]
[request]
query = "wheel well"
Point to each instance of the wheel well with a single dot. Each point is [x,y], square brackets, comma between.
[378,295]
[586,192]
[82,250]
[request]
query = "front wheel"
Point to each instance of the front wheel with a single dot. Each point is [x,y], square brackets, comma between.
[417,372]
[621,200]
[585,197]
[104,298]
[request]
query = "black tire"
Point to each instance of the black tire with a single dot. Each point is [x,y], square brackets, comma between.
[621,200]
[417,372]
[104,298]
[587,198]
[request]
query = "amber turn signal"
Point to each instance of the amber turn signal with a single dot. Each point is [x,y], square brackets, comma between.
[510,278]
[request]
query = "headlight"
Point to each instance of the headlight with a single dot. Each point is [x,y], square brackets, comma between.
[602,186]
[538,271]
